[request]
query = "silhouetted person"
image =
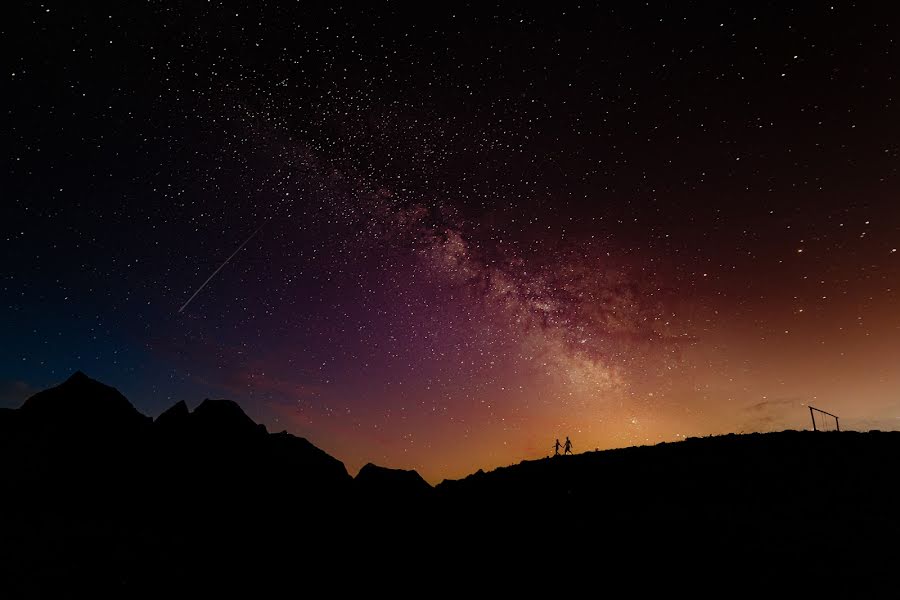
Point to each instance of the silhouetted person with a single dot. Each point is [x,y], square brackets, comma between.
[568,447]
[556,447]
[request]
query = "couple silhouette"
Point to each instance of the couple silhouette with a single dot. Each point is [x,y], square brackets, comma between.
[567,447]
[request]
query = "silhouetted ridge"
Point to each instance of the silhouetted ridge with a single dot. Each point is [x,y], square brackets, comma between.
[298,456]
[82,402]
[83,428]
[174,417]
[381,481]
[224,417]
[78,377]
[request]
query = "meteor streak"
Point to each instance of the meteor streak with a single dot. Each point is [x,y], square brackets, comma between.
[208,279]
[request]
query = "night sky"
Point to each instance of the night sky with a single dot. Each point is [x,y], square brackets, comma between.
[466,231]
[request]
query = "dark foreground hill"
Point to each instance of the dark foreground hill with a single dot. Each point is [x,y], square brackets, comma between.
[98,499]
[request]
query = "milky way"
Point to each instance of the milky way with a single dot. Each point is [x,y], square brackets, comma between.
[485,227]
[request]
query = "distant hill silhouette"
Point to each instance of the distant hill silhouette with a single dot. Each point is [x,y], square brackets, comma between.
[82,403]
[392,485]
[99,498]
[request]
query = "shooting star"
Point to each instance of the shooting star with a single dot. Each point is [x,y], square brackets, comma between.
[208,279]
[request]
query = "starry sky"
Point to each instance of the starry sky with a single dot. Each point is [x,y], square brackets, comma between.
[457,231]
